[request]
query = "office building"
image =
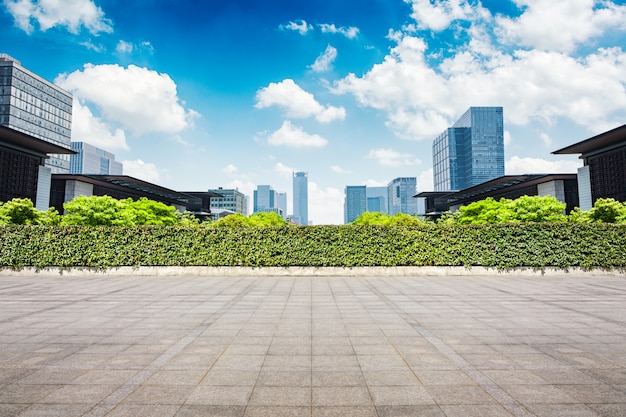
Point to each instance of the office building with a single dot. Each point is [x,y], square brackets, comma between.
[603,174]
[265,198]
[400,194]
[471,151]
[93,160]
[355,202]
[377,199]
[301,198]
[37,109]
[282,204]
[233,201]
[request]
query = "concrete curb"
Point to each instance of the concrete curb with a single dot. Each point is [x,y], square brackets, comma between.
[295,271]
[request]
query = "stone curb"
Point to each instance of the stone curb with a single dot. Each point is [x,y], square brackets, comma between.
[295,271]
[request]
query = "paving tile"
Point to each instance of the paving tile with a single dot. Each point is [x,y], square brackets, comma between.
[220,395]
[281,396]
[409,411]
[210,411]
[343,378]
[55,410]
[353,411]
[269,378]
[343,396]
[402,395]
[144,410]
[280,411]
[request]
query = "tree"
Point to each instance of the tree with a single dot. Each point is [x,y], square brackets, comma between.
[522,209]
[145,211]
[97,211]
[232,220]
[19,211]
[266,219]
[608,210]
[485,211]
[537,209]
[372,217]
[403,219]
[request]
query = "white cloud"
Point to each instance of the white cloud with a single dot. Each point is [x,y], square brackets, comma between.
[389,157]
[230,169]
[437,15]
[325,204]
[349,32]
[296,102]
[520,166]
[546,139]
[560,25]
[420,101]
[88,128]
[339,170]
[124,47]
[140,99]
[507,138]
[324,61]
[72,14]
[143,170]
[295,137]
[375,183]
[283,170]
[425,181]
[300,26]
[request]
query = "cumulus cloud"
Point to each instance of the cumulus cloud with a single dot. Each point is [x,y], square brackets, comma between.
[519,166]
[296,102]
[71,14]
[389,157]
[283,170]
[140,99]
[324,61]
[560,25]
[325,204]
[88,128]
[143,170]
[295,137]
[437,15]
[349,32]
[421,100]
[425,181]
[300,26]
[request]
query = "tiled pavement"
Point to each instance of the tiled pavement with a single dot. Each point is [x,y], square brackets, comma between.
[313,346]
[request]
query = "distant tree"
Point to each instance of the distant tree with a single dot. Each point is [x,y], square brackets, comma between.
[403,219]
[485,211]
[232,220]
[145,211]
[266,219]
[372,217]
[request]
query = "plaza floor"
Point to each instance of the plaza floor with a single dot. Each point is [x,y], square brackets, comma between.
[484,346]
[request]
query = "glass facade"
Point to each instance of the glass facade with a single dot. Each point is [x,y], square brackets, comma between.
[355,202]
[233,200]
[34,106]
[92,160]
[471,151]
[400,194]
[265,198]
[301,197]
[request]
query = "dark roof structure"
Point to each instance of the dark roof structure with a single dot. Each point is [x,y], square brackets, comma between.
[23,141]
[606,140]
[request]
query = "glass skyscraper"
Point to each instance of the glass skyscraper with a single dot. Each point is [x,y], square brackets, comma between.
[301,198]
[355,202]
[471,151]
[90,159]
[400,194]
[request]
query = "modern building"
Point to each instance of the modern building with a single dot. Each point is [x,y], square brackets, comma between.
[561,186]
[200,204]
[233,201]
[39,109]
[22,170]
[301,198]
[603,174]
[471,151]
[377,199]
[65,187]
[265,198]
[90,159]
[281,204]
[355,202]
[34,106]
[400,192]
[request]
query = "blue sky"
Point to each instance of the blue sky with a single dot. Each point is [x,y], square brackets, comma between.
[200,94]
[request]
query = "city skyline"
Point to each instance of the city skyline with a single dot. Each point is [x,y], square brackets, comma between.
[236,94]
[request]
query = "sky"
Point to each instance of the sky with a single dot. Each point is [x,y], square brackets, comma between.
[200,94]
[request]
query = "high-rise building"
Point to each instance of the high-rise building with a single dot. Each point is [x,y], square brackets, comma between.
[265,199]
[401,192]
[34,106]
[301,198]
[377,199]
[93,160]
[282,203]
[37,108]
[355,202]
[471,151]
[234,201]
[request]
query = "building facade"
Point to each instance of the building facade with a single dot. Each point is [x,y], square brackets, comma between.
[603,174]
[355,202]
[400,192]
[471,151]
[90,159]
[32,105]
[377,199]
[233,201]
[301,198]
[265,199]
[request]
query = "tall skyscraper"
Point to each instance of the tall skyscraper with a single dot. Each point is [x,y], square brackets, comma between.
[355,202]
[400,193]
[281,203]
[265,199]
[233,200]
[301,198]
[377,199]
[471,151]
[93,160]
[34,106]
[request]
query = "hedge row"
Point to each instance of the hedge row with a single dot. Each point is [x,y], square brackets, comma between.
[502,246]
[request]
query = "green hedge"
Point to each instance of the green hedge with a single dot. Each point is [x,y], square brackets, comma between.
[502,245]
